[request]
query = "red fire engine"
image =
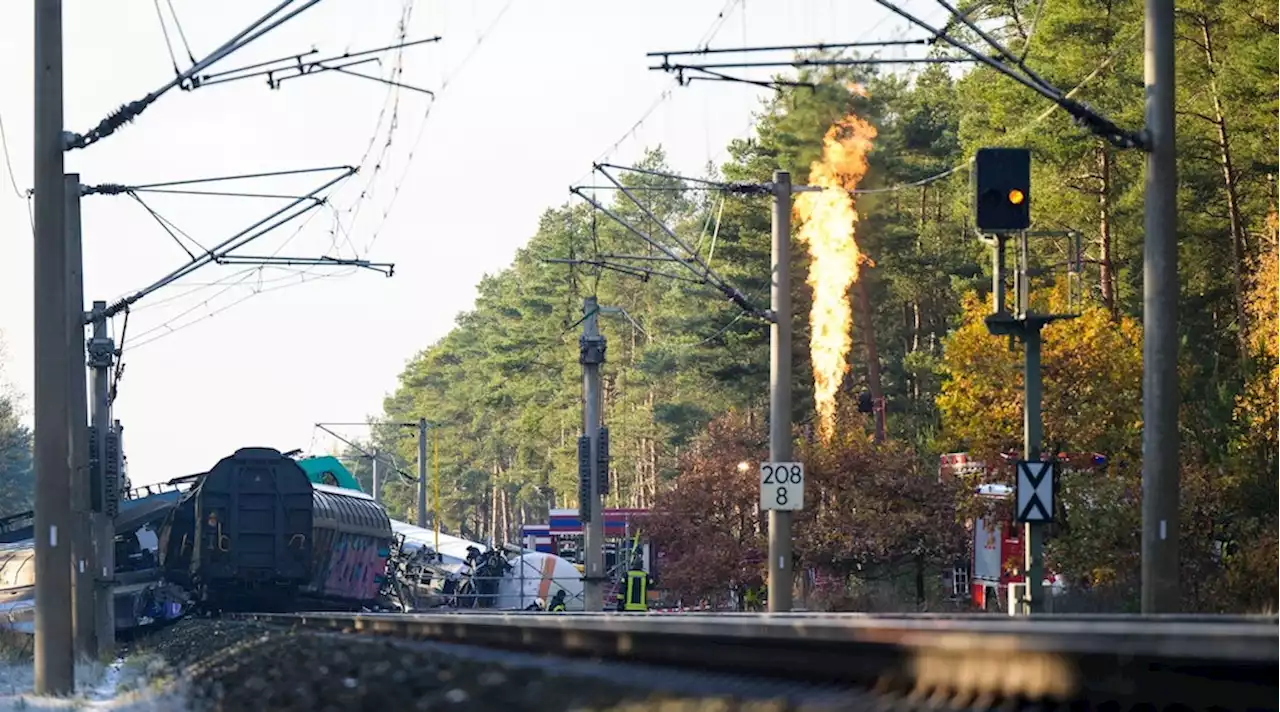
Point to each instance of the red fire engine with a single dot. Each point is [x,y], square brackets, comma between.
[997,556]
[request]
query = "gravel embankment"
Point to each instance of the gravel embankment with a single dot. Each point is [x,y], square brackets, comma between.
[233,665]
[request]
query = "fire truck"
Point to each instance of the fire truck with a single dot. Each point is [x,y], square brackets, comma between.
[996,554]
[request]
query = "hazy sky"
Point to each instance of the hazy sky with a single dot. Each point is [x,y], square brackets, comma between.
[552,87]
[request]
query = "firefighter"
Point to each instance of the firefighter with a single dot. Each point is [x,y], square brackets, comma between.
[637,583]
[557,602]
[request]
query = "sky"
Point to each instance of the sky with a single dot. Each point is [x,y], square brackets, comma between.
[528,94]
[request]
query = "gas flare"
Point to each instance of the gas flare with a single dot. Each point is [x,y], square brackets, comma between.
[828,218]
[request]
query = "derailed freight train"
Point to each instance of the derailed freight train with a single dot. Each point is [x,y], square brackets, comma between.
[255,533]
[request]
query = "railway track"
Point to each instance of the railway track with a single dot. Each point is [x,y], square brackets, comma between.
[982,661]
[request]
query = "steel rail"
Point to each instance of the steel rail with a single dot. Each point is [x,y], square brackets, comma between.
[1188,660]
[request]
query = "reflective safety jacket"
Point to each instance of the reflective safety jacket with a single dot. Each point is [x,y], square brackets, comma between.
[636,596]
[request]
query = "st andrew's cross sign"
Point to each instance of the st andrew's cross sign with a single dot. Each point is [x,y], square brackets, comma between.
[1035,491]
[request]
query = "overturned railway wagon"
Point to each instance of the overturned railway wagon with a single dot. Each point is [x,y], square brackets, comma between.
[256,534]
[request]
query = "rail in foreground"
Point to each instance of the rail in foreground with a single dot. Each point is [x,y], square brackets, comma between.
[1197,661]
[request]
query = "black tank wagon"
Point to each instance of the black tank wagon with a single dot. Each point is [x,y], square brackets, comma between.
[255,534]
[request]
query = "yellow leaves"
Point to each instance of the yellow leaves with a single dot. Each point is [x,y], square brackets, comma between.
[1092,376]
[1257,405]
[1264,304]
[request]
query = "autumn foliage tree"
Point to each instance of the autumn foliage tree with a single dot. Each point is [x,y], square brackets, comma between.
[871,511]
[1256,406]
[707,526]
[1091,368]
[875,511]
[1250,487]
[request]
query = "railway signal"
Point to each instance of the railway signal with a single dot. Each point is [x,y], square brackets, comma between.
[1002,189]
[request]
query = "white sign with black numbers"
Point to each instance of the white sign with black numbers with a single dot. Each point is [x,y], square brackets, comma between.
[781,486]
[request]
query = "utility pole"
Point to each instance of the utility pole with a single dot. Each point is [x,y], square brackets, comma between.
[1032,435]
[377,496]
[1025,325]
[422,473]
[1160,475]
[84,561]
[54,669]
[101,353]
[435,481]
[780,574]
[591,356]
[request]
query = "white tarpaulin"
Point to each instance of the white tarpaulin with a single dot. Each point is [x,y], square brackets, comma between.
[539,575]
[453,550]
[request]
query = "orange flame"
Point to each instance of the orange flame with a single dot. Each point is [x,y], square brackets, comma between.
[828,221]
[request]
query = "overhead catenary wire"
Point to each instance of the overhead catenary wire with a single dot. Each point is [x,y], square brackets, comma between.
[181,34]
[233,279]
[1045,86]
[8,162]
[697,267]
[294,66]
[444,85]
[687,73]
[298,277]
[407,477]
[751,122]
[721,18]
[167,43]
[292,279]
[162,187]
[1084,116]
[296,208]
[239,278]
[662,174]
[167,329]
[707,274]
[169,227]
[286,214]
[236,279]
[391,101]
[128,112]
[1024,128]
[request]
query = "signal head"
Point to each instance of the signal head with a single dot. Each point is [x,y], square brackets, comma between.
[1002,189]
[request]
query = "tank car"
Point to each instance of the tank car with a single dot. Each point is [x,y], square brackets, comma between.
[255,534]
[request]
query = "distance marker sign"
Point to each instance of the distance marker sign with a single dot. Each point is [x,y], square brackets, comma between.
[781,486]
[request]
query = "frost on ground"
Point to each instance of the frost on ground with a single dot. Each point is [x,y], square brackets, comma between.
[123,686]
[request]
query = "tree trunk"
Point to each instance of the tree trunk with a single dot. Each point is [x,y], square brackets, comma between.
[919,581]
[638,484]
[1271,231]
[916,324]
[1106,276]
[493,506]
[873,357]
[504,529]
[1272,228]
[652,493]
[1239,252]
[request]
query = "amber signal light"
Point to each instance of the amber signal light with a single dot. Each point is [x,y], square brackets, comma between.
[1016,197]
